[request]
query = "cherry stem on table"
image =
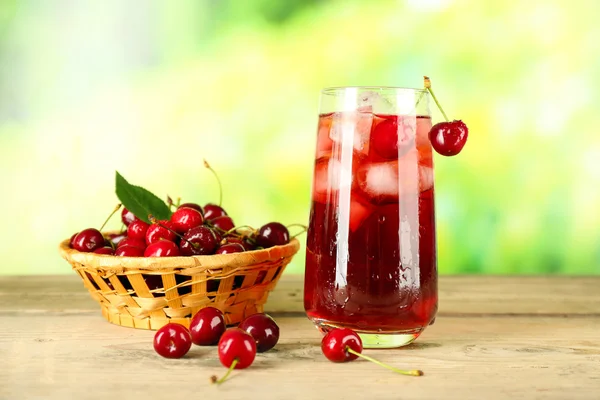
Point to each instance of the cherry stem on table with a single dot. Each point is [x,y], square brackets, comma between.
[414,372]
[428,87]
[231,368]
[117,208]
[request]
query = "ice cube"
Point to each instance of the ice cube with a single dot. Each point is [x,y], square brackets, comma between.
[352,130]
[377,103]
[330,176]
[425,177]
[324,143]
[379,180]
[389,180]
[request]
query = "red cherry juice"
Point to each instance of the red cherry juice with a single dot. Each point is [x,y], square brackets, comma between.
[371,260]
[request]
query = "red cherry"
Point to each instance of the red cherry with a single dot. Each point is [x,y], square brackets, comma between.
[199,241]
[212,211]
[236,351]
[272,234]
[115,238]
[88,240]
[336,342]
[263,329]
[449,138]
[71,241]
[128,241]
[129,251]
[343,344]
[162,248]
[185,219]
[207,326]
[156,232]
[137,229]
[230,248]
[127,216]
[105,250]
[153,282]
[172,341]
[385,139]
[191,205]
[224,222]
[239,346]
[233,239]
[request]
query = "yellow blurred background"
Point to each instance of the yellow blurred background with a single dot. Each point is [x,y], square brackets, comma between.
[150,88]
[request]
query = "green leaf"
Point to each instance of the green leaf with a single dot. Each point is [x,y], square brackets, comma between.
[140,201]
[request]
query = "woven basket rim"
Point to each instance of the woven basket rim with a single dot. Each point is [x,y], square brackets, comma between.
[111,262]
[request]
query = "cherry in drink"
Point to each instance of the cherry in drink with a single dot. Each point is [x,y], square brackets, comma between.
[371,247]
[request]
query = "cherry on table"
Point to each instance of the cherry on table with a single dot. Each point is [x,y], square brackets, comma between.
[230,248]
[162,248]
[199,241]
[212,211]
[172,341]
[343,344]
[237,350]
[207,326]
[449,138]
[186,218]
[88,240]
[163,230]
[272,234]
[130,251]
[335,345]
[137,229]
[263,329]
[127,217]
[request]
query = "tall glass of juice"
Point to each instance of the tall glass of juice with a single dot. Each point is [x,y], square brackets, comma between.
[371,262]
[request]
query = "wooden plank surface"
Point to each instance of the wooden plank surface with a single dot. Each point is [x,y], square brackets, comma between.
[495,338]
[557,295]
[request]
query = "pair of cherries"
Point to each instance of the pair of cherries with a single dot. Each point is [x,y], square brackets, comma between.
[237,347]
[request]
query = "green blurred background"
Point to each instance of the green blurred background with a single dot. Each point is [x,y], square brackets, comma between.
[150,88]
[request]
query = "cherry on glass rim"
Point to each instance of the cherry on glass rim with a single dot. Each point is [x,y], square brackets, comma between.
[449,138]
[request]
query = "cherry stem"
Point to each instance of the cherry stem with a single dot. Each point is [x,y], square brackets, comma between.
[157,222]
[414,372]
[231,368]
[110,216]
[207,165]
[304,229]
[235,229]
[169,202]
[428,87]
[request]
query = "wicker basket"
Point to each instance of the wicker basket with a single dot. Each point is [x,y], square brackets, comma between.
[147,293]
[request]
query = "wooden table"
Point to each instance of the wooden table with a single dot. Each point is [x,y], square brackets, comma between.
[494,338]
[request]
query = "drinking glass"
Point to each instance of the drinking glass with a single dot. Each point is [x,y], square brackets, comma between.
[371,262]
